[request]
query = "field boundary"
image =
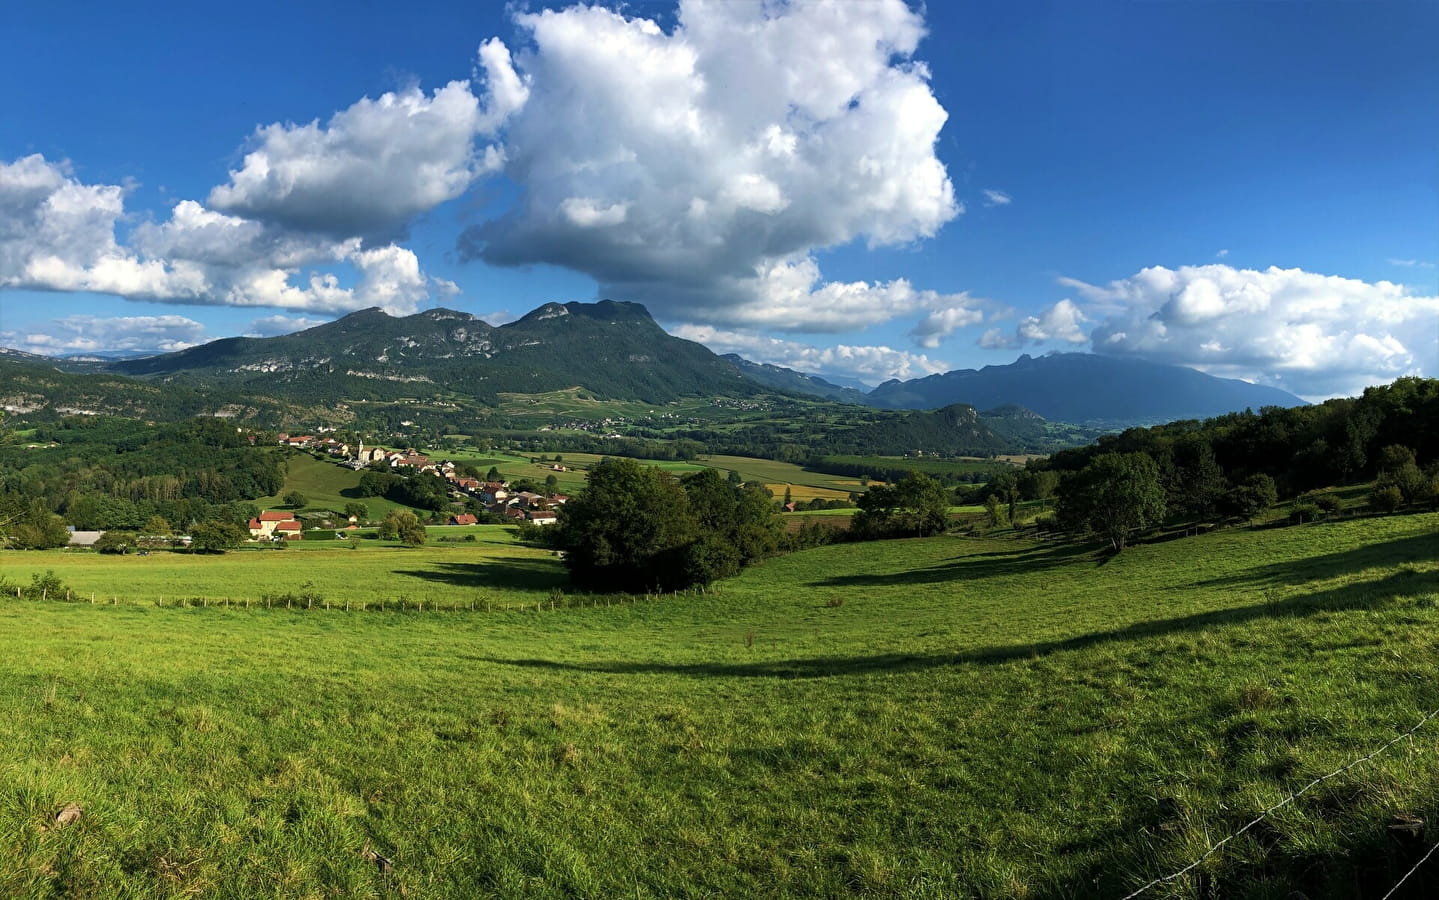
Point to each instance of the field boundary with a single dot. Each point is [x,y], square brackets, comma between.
[1285,802]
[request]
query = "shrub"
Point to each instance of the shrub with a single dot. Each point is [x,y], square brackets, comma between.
[47,586]
[1385,498]
[1303,512]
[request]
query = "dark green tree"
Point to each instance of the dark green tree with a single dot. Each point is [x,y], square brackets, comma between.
[1114,496]
[295,499]
[116,542]
[1005,486]
[216,537]
[628,529]
[37,528]
[742,517]
[915,507]
[357,511]
[404,526]
[1251,497]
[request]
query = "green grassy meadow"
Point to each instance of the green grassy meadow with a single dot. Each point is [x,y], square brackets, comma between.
[947,717]
[448,571]
[324,484]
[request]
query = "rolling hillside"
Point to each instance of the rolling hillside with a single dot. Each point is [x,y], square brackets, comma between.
[940,717]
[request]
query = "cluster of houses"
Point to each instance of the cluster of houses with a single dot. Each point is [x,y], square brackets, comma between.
[512,506]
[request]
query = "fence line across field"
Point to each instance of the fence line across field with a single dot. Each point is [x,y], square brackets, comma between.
[1285,802]
[1410,872]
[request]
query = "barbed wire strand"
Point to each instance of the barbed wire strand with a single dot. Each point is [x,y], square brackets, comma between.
[1280,805]
[1410,872]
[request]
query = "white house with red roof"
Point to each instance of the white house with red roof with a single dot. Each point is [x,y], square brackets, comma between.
[269,523]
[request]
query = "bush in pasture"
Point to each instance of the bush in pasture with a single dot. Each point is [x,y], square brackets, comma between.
[917,506]
[45,587]
[295,499]
[1300,513]
[1385,498]
[636,528]
[812,534]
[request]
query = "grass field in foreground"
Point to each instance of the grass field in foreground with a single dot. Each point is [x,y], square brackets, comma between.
[359,569]
[936,718]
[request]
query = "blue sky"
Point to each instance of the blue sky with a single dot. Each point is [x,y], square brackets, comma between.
[864,189]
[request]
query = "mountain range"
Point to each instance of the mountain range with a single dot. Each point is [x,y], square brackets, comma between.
[616,351]
[1086,388]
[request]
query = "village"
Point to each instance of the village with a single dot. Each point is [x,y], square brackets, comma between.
[497,496]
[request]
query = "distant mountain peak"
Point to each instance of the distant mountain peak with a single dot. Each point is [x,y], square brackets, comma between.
[612,349]
[1085,388]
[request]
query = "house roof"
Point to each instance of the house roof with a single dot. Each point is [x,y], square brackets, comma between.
[464,519]
[271,515]
[288,526]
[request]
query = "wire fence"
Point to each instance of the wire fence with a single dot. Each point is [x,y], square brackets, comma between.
[1285,802]
[555,600]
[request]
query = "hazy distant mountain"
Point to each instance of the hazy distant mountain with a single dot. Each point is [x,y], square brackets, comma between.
[34,385]
[780,378]
[614,350]
[1085,388]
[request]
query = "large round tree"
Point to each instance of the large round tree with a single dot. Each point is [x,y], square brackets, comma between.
[628,530]
[1114,496]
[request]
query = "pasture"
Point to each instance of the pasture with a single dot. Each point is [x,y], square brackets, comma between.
[359,569]
[916,718]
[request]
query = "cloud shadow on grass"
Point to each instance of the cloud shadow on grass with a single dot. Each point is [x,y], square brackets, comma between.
[1358,595]
[1025,560]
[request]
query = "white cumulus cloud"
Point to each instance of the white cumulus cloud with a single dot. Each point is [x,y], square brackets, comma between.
[1063,323]
[270,326]
[90,334]
[58,234]
[698,169]
[372,167]
[870,364]
[1315,335]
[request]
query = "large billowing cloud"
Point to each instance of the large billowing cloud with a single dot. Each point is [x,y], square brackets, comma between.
[1315,335]
[869,364]
[370,169]
[58,234]
[697,170]
[1062,322]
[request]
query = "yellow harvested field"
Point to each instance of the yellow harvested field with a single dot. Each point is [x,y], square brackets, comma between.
[807,492]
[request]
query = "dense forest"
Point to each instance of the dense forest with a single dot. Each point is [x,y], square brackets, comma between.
[107,473]
[1237,465]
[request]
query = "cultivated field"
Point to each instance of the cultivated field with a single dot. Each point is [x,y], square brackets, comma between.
[932,718]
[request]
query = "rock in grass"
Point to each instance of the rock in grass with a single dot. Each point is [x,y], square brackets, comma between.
[70,814]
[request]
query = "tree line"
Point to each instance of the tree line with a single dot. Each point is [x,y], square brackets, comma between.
[100,473]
